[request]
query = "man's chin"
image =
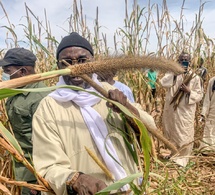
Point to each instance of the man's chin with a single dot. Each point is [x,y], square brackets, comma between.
[78,83]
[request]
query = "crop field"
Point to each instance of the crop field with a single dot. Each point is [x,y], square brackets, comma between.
[165,177]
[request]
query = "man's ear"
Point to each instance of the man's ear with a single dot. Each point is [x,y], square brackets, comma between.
[24,71]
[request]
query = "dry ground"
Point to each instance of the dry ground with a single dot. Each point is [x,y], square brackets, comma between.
[198,178]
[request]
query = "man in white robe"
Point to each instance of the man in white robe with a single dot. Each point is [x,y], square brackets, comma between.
[208,112]
[68,120]
[178,124]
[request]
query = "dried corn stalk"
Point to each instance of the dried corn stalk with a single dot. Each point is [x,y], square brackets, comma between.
[100,164]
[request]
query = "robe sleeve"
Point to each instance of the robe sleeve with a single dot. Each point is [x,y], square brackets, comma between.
[52,164]
[168,80]
[146,118]
[196,93]
[129,95]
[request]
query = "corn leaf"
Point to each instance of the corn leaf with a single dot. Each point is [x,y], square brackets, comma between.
[117,185]
[145,141]
[10,138]
[4,93]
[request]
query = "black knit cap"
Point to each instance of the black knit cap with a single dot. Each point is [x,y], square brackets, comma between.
[74,40]
[18,57]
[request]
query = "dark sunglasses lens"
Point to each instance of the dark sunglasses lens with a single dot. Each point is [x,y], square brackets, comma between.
[69,61]
[82,60]
[62,63]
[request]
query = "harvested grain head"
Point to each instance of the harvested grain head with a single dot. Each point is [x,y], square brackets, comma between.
[127,62]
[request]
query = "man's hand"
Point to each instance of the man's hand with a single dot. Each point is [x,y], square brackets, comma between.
[87,185]
[119,96]
[185,88]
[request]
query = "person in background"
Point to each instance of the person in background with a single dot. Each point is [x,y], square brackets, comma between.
[20,62]
[208,114]
[152,77]
[109,77]
[202,71]
[178,117]
[69,121]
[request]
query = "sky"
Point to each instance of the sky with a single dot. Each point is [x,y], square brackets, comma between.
[111,15]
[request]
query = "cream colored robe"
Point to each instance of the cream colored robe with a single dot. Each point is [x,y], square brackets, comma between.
[208,110]
[60,136]
[179,124]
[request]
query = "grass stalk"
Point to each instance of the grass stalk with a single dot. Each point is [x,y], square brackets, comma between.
[100,164]
[98,66]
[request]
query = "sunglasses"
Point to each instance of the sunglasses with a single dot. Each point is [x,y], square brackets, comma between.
[64,62]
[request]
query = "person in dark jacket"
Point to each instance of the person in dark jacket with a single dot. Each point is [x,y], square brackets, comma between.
[19,62]
[202,71]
